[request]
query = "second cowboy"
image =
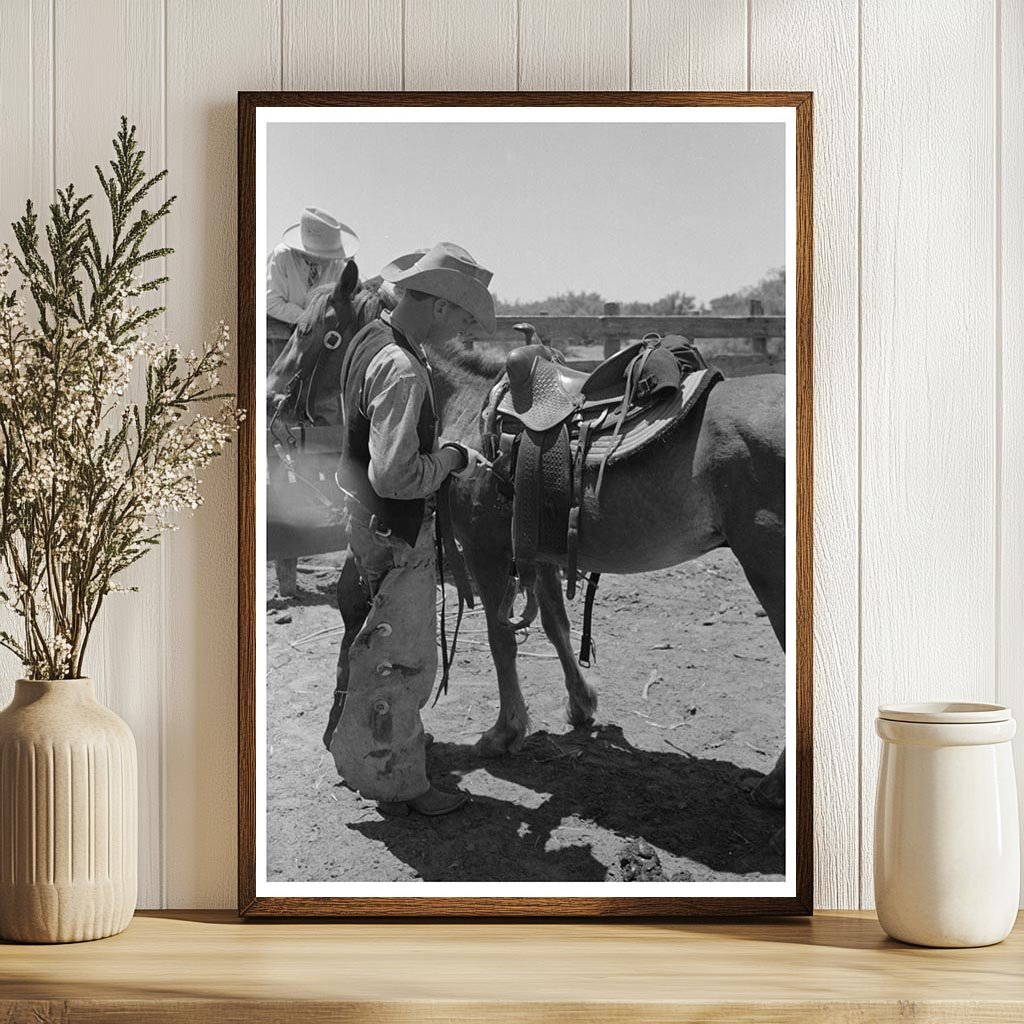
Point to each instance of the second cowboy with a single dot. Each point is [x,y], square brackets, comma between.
[392,466]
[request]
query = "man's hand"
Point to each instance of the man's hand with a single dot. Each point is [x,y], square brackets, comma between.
[469,462]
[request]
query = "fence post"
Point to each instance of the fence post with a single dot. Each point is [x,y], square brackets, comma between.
[612,341]
[759,346]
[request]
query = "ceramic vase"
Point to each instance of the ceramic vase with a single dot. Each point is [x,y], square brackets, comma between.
[947,847]
[68,815]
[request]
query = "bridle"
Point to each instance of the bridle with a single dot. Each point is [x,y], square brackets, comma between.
[366,307]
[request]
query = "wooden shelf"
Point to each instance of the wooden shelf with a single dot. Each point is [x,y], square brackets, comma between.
[209,966]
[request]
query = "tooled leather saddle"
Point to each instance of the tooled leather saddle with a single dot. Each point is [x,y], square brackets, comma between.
[545,424]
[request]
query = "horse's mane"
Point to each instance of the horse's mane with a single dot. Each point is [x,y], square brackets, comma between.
[321,295]
[476,364]
[318,299]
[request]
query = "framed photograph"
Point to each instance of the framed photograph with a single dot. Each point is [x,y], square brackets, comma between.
[525,504]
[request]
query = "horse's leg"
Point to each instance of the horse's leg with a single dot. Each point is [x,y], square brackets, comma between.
[509,731]
[354,605]
[760,548]
[582,701]
[771,790]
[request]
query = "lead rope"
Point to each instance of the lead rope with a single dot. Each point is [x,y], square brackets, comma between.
[447,656]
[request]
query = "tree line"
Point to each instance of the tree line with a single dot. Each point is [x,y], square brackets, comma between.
[771,290]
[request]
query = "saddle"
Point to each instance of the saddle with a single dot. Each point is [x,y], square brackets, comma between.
[545,425]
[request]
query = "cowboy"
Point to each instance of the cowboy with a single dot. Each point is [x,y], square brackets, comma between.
[312,252]
[392,466]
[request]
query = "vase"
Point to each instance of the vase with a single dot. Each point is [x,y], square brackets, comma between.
[947,847]
[68,815]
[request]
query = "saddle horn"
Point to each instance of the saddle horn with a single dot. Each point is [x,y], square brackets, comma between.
[528,331]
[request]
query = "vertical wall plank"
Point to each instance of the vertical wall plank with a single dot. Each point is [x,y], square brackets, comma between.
[574,44]
[468,45]
[26,103]
[928,399]
[690,44]
[1010,176]
[346,44]
[26,172]
[213,51]
[125,653]
[814,46]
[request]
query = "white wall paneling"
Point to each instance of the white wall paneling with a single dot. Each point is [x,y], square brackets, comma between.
[919,305]
[781,59]
[213,50]
[348,44]
[26,163]
[126,654]
[465,45]
[1009,317]
[684,45]
[574,44]
[928,515]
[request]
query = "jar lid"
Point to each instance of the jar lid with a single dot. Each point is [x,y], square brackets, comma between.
[945,713]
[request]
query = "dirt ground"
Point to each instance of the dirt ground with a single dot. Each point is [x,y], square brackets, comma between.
[691,689]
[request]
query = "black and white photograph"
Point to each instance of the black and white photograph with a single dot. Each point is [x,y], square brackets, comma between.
[525,502]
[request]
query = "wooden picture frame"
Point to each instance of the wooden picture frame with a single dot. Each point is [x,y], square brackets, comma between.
[253,899]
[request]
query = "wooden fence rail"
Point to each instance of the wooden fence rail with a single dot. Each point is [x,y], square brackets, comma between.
[611,330]
[604,329]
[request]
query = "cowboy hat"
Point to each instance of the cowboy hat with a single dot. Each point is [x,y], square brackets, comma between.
[447,271]
[319,235]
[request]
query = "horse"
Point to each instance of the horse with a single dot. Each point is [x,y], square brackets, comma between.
[302,384]
[718,480]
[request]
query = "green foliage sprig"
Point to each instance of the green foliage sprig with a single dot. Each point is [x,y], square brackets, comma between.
[89,477]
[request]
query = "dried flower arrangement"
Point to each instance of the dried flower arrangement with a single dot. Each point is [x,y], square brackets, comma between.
[89,477]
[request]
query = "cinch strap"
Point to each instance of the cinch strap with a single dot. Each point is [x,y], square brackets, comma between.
[587,642]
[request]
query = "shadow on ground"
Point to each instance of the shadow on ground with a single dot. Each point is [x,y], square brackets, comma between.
[571,792]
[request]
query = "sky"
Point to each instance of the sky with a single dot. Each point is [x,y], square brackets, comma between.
[632,211]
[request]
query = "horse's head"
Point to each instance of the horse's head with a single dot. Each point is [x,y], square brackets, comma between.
[335,312]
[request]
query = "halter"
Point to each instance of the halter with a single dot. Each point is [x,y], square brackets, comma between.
[366,307]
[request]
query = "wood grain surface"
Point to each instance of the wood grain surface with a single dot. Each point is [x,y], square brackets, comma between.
[201,967]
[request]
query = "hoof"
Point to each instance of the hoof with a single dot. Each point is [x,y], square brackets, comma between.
[498,742]
[581,712]
[768,792]
[578,717]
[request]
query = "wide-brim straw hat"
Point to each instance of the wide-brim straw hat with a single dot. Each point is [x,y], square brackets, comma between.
[321,236]
[447,271]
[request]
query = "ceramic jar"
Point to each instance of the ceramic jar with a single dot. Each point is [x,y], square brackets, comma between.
[68,815]
[947,847]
